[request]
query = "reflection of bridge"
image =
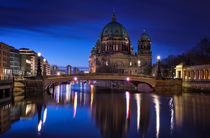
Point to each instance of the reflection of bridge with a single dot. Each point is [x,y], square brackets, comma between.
[162,85]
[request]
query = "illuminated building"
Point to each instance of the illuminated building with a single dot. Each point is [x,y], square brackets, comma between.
[5,71]
[15,61]
[45,67]
[28,62]
[197,72]
[113,52]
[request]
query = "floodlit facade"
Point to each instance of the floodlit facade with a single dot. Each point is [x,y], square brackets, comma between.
[5,71]
[28,62]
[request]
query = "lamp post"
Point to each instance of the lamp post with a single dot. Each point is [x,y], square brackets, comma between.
[39,70]
[158,72]
[44,67]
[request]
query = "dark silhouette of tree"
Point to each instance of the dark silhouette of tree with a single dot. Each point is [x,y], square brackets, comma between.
[197,55]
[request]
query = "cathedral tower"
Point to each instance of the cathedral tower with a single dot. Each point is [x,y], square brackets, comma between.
[145,53]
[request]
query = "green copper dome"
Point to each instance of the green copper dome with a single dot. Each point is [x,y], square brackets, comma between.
[144,37]
[113,29]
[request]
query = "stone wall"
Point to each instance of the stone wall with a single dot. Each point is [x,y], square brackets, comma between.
[201,85]
[168,87]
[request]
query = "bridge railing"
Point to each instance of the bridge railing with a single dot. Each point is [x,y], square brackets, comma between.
[96,74]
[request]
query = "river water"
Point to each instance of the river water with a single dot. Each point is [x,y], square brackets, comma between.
[85,111]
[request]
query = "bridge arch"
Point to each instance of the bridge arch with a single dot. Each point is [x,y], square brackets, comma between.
[106,76]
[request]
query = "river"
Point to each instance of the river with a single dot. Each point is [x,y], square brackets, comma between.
[85,111]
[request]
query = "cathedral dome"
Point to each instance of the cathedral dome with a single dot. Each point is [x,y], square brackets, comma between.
[144,37]
[114,29]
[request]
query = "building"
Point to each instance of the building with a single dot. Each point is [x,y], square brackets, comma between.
[199,72]
[5,71]
[28,62]
[76,70]
[113,52]
[45,67]
[54,70]
[15,62]
[68,68]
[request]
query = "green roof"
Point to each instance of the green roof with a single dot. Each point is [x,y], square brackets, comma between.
[114,29]
[144,36]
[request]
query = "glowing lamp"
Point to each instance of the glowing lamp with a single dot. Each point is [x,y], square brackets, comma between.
[58,73]
[158,57]
[128,79]
[75,78]
[39,54]
[44,59]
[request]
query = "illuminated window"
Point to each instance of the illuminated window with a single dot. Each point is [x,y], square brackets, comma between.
[130,63]
[139,63]
[107,63]
[116,47]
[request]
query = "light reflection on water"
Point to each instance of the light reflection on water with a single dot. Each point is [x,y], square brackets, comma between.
[82,110]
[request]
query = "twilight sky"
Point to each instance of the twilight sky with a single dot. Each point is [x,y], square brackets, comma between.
[65,31]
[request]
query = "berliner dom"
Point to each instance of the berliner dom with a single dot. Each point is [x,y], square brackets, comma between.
[113,52]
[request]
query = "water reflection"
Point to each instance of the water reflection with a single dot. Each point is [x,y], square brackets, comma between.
[143,113]
[111,113]
[171,106]
[114,114]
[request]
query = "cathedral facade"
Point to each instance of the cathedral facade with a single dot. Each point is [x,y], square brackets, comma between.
[113,52]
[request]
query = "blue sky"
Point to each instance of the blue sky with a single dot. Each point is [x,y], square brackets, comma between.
[65,31]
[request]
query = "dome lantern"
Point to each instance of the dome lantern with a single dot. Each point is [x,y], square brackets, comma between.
[114,19]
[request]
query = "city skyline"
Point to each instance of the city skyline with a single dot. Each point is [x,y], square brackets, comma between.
[70,30]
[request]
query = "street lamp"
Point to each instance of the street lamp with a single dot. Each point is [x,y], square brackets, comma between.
[75,78]
[39,54]
[128,79]
[158,57]
[158,72]
[44,67]
[39,70]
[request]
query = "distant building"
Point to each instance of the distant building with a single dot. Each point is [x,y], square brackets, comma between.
[28,62]
[15,62]
[45,67]
[113,52]
[76,70]
[68,68]
[54,70]
[5,71]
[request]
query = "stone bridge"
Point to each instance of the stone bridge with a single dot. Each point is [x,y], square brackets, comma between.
[157,85]
[49,80]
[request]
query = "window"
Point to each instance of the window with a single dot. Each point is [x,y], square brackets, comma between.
[107,63]
[139,63]
[130,63]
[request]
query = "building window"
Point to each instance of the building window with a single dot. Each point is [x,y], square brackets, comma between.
[130,63]
[107,63]
[139,63]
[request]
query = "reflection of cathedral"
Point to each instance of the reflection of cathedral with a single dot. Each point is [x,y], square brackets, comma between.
[110,114]
[113,52]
